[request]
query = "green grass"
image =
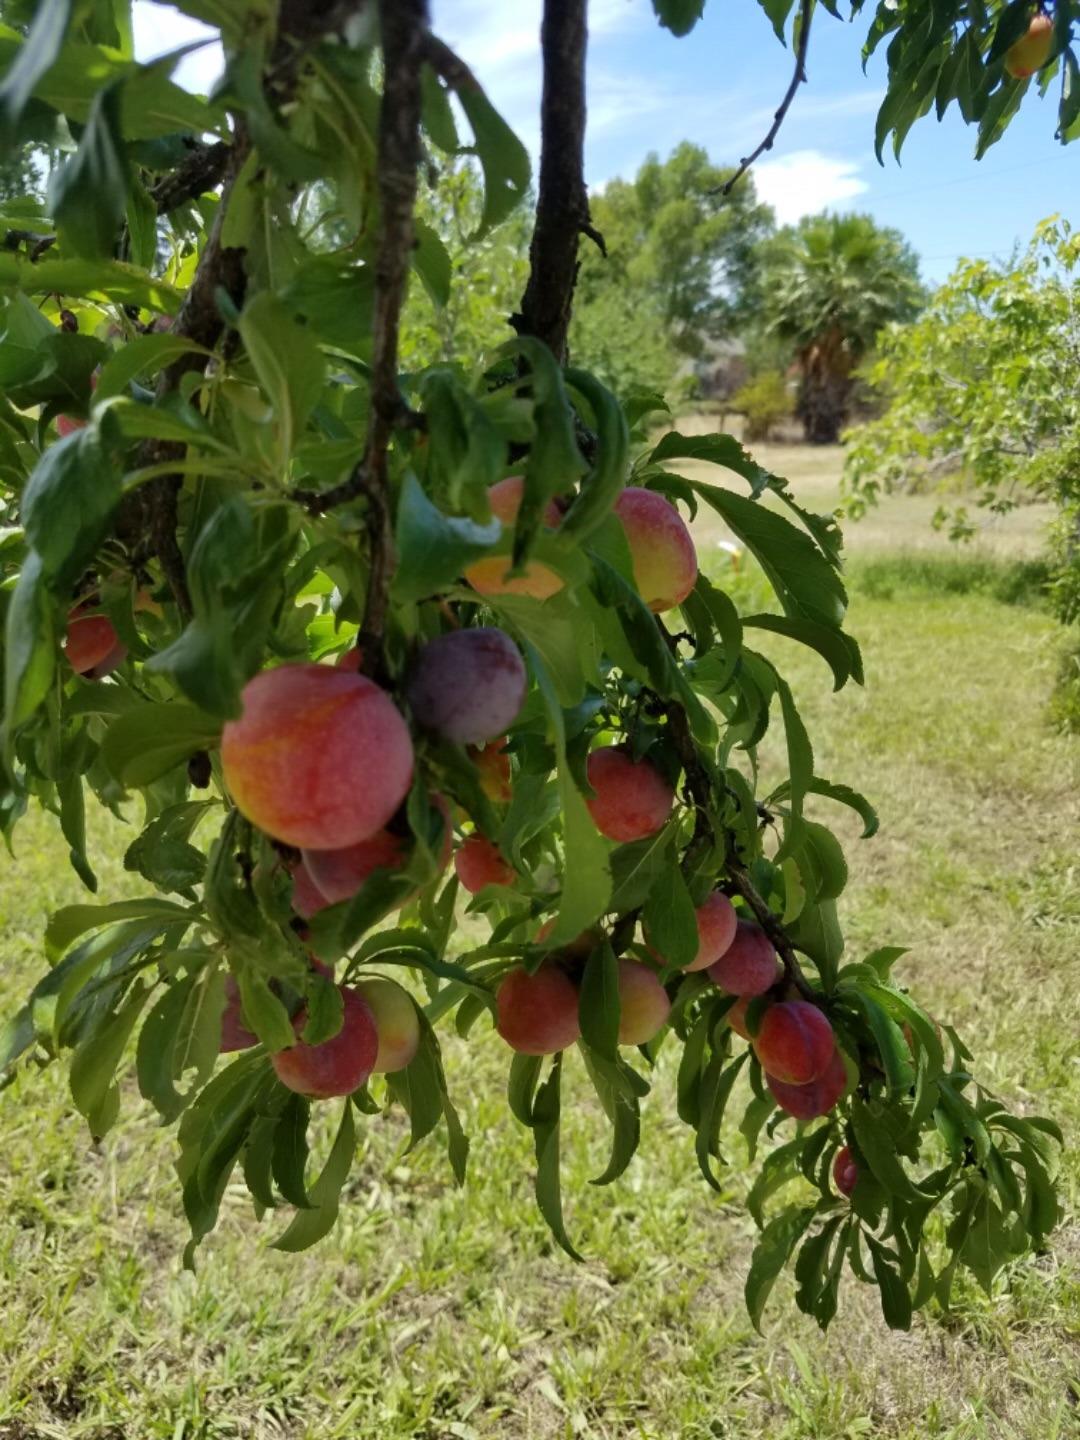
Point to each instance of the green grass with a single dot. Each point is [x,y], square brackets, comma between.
[434,1313]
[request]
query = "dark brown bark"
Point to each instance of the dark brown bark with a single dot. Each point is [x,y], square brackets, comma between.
[562,210]
[202,170]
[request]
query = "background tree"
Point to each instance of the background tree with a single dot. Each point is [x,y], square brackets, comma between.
[679,269]
[334,623]
[982,386]
[830,284]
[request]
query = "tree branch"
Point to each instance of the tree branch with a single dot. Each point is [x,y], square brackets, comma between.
[700,787]
[562,210]
[203,169]
[806,10]
[404,29]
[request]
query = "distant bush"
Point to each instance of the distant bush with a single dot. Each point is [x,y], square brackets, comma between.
[765,401]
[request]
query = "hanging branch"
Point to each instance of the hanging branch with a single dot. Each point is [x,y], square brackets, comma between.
[202,169]
[701,792]
[562,209]
[403,25]
[806,10]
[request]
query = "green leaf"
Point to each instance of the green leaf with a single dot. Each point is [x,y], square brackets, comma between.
[431,261]
[521,1088]
[878,1147]
[841,793]
[889,1040]
[144,355]
[29,649]
[601,487]
[679,16]
[545,1128]
[310,1226]
[111,282]
[287,361]
[71,921]
[289,1155]
[36,54]
[68,503]
[636,867]
[181,1032]
[88,194]
[598,1002]
[619,1097]
[838,650]
[805,583]
[433,548]
[503,158]
[771,1254]
[149,742]
[586,873]
[716,1087]
[895,1298]
[670,921]
[162,854]
[93,1066]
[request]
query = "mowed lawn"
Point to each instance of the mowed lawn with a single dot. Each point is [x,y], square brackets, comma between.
[437,1313]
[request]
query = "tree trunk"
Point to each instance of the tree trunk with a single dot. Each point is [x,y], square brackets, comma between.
[825,395]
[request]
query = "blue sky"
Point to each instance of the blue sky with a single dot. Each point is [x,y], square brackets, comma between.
[719,87]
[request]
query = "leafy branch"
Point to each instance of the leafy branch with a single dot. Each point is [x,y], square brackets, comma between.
[802,44]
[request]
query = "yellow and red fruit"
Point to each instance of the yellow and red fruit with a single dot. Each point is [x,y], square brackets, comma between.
[319,758]
[339,1065]
[491,575]
[1031,52]
[631,798]
[396,1023]
[794,1042]
[644,1006]
[537,1014]
[807,1102]
[663,554]
[478,863]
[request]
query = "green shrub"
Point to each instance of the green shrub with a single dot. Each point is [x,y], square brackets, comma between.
[765,401]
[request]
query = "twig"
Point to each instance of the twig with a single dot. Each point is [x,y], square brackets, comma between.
[404,28]
[562,209]
[36,242]
[203,169]
[806,10]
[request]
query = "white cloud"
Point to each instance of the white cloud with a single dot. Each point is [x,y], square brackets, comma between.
[805,182]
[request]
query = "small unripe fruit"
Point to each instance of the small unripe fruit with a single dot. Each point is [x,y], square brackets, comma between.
[716,923]
[92,646]
[468,685]
[234,1033]
[478,863]
[537,1014]
[808,1102]
[319,758]
[491,575]
[643,1003]
[339,1065]
[396,1023]
[845,1172]
[307,898]
[795,1042]
[350,660]
[493,765]
[1032,50]
[749,966]
[736,1016]
[663,554]
[631,800]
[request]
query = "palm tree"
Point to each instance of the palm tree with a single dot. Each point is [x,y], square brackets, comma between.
[831,283]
